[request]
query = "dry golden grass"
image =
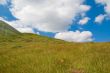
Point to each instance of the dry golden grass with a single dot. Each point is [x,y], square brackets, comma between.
[29,53]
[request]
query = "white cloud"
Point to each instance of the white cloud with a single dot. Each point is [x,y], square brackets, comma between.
[85,36]
[38,33]
[1,19]
[3,2]
[20,28]
[101,1]
[46,15]
[84,20]
[100,18]
[26,30]
[106,3]
[84,7]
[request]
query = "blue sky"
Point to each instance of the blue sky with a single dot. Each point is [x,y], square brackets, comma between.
[100,31]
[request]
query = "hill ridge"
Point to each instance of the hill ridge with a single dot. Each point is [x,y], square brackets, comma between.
[6,29]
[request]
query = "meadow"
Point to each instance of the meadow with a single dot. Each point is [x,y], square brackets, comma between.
[30,53]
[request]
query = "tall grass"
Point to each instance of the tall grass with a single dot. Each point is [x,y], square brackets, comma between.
[36,54]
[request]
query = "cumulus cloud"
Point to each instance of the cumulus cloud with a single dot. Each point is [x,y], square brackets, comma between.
[100,18]
[84,8]
[46,15]
[106,3]
[85,36]
[84,20]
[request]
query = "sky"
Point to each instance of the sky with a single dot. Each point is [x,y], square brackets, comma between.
[69,20]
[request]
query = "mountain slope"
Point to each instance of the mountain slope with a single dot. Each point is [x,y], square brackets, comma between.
[31,53]
[6,30]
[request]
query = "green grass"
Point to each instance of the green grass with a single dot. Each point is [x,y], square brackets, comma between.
[29,53]
[6,30]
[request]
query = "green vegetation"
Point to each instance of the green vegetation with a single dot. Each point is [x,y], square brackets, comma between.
[7,30]
[30,53]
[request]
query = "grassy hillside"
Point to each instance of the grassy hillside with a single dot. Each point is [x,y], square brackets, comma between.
[31,53]
[6,30]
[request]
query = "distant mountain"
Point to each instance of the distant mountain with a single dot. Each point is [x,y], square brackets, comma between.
[6,29]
